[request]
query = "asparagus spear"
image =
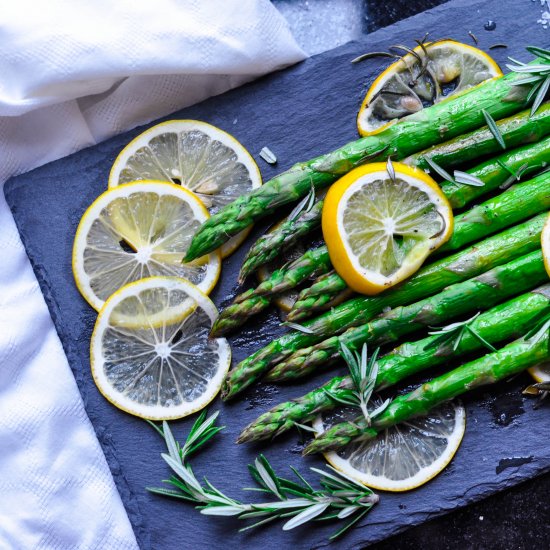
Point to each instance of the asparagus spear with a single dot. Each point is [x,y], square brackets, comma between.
[522,161]
[253,301]
[499,324]
[482,291]
[500,97]
[514,205]
[489,369]
[269,246]
[516,130]
[501,248]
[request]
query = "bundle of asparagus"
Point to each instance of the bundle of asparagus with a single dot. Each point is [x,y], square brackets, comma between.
[504,322]
[493,251]
[516,131]
[484,290]
[492,173]
[498,97]
[489,369]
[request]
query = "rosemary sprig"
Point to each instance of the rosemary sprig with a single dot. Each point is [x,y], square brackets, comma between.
[363,372]
[538,76]
[340,497]
[454,333]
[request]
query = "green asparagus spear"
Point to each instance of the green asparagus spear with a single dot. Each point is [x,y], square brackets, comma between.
[499,249]
[270,245]
[514,205]
[253,301]
[489,369]
[462,298]
[522,161]
[516,130]
[499,324]
[500,97]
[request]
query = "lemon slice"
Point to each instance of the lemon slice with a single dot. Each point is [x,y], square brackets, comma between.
[541,373]
[545,244]
[196,155]
[139,230]
[158,371]
[379,229]
[404,456]
[285,300]
[436,71]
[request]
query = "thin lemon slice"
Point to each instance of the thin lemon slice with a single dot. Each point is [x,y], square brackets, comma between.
[380,229]
[139,230]
[541,373]
[285,300]
[196,155]
[165,370]
[545,244]
[403,457]
[434,72]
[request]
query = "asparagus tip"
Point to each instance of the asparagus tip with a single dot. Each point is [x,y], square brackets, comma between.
[311,449]
[245,436]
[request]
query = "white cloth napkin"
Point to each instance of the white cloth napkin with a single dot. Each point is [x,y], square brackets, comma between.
[74,72]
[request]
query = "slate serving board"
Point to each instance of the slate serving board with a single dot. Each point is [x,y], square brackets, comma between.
[299,113]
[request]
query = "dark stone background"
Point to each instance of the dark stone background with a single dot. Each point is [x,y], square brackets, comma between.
[514,519]
[517,518]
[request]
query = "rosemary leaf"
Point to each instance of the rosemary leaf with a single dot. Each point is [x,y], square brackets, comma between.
[390,169]
[441,171]
[298,327]
[541,95]
[492,125]
[467,179]
[267,154]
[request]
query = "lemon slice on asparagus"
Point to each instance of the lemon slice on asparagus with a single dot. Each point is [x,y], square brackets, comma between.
[139,230]
[380,227]
[432,73]
[196,155]
[169,367]
[402,457]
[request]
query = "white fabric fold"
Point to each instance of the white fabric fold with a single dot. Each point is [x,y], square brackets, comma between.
[75,72]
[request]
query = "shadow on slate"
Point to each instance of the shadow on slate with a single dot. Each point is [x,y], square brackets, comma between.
[299,113]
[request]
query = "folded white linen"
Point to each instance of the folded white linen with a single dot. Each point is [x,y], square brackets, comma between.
[75,72]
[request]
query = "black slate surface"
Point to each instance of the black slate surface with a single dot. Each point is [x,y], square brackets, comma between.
[298,113]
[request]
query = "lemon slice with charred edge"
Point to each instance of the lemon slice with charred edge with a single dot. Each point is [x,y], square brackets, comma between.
[404,456]
[434,72]
[379,228]
[169,367]
[139,230]
[195,155]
